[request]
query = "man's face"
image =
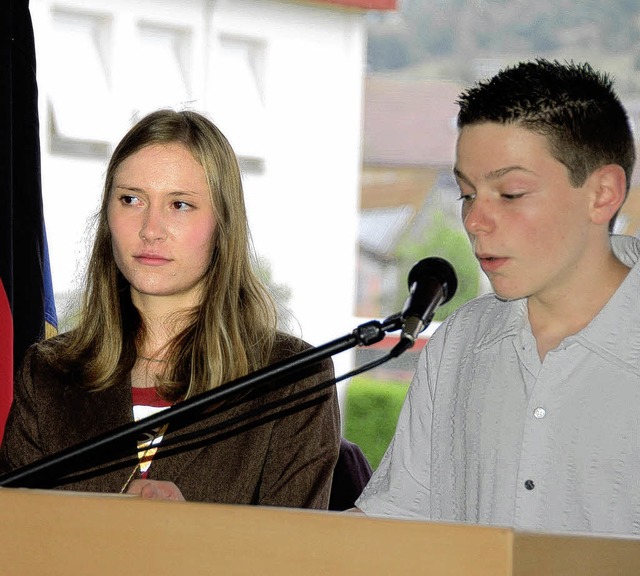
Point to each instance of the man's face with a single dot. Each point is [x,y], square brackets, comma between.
[529,227]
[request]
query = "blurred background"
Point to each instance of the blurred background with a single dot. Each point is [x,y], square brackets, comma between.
[342,113]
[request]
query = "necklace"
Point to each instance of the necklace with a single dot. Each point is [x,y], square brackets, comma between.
[153,359]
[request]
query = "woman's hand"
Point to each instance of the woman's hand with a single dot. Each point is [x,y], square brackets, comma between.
[155,490]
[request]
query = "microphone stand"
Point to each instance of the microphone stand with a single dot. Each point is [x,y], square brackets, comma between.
[182,414]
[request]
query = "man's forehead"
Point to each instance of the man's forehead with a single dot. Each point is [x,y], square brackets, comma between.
[494,149]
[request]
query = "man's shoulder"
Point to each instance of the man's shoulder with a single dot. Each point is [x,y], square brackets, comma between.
[483,318]
[481,309]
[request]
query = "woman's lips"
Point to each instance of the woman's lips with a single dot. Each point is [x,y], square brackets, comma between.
[151,259]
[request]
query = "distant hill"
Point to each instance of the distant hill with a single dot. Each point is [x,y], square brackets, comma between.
[462,39]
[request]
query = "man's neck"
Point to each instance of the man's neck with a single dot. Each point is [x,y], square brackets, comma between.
[558,316]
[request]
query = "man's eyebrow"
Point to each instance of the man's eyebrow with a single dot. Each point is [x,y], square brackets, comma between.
[506,170]
[459,175]
[494,174]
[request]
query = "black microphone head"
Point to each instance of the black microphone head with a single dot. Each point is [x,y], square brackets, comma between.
[437,269]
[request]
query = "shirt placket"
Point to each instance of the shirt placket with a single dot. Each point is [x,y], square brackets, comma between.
[537,439]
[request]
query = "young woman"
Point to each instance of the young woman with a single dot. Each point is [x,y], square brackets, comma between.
[173,308]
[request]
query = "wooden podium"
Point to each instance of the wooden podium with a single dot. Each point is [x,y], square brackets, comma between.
[61,533]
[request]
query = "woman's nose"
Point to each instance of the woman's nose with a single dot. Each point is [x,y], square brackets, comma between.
[153,225]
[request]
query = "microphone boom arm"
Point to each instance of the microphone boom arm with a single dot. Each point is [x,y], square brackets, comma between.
[70,460]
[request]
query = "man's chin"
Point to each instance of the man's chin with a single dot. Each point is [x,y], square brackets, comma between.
[508,295]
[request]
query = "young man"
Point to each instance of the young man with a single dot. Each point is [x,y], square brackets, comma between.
[525,407]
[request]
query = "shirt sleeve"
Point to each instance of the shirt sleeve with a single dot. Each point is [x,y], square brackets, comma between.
[400,486]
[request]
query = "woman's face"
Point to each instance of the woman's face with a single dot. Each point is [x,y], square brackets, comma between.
[162,225]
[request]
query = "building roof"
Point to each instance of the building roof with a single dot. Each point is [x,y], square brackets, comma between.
[380,229]
[409,122]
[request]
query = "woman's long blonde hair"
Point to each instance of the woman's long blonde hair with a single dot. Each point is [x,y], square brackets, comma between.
[230,333]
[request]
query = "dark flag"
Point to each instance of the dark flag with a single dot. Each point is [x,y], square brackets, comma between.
[26,294]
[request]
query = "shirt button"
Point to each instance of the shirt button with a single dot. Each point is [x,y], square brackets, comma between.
[539,412]
[529,485]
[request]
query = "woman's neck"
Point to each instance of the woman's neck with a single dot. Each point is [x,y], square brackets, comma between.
[145,373]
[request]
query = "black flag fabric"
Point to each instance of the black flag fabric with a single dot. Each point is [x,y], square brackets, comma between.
[27,310]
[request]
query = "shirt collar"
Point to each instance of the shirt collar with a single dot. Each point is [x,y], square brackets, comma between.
[509,317]
[612,332]
[615,330]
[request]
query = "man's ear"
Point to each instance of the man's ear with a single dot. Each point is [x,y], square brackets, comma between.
[609,192]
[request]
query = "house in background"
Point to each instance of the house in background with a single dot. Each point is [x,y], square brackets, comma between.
[409,139]
[408,149]
[628,221]
[408,153]
[283,79]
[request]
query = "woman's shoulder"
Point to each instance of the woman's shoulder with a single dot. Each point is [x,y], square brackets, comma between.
[285,345]
[43,356]
[46,347]
[309,375]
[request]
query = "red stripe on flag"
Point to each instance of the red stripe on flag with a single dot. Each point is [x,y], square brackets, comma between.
[6,358]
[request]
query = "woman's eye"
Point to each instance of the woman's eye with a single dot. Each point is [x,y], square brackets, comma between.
[180,205]
[129,200]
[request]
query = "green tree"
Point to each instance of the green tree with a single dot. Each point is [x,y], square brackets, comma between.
[446,240]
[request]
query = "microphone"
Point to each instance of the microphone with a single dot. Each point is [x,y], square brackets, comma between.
[432,282]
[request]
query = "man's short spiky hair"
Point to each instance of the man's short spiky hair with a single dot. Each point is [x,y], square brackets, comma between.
[573,105]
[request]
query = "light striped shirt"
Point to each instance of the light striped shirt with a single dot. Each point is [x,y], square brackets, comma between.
[490,434]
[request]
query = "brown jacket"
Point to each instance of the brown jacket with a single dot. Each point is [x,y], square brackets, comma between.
[284,461]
